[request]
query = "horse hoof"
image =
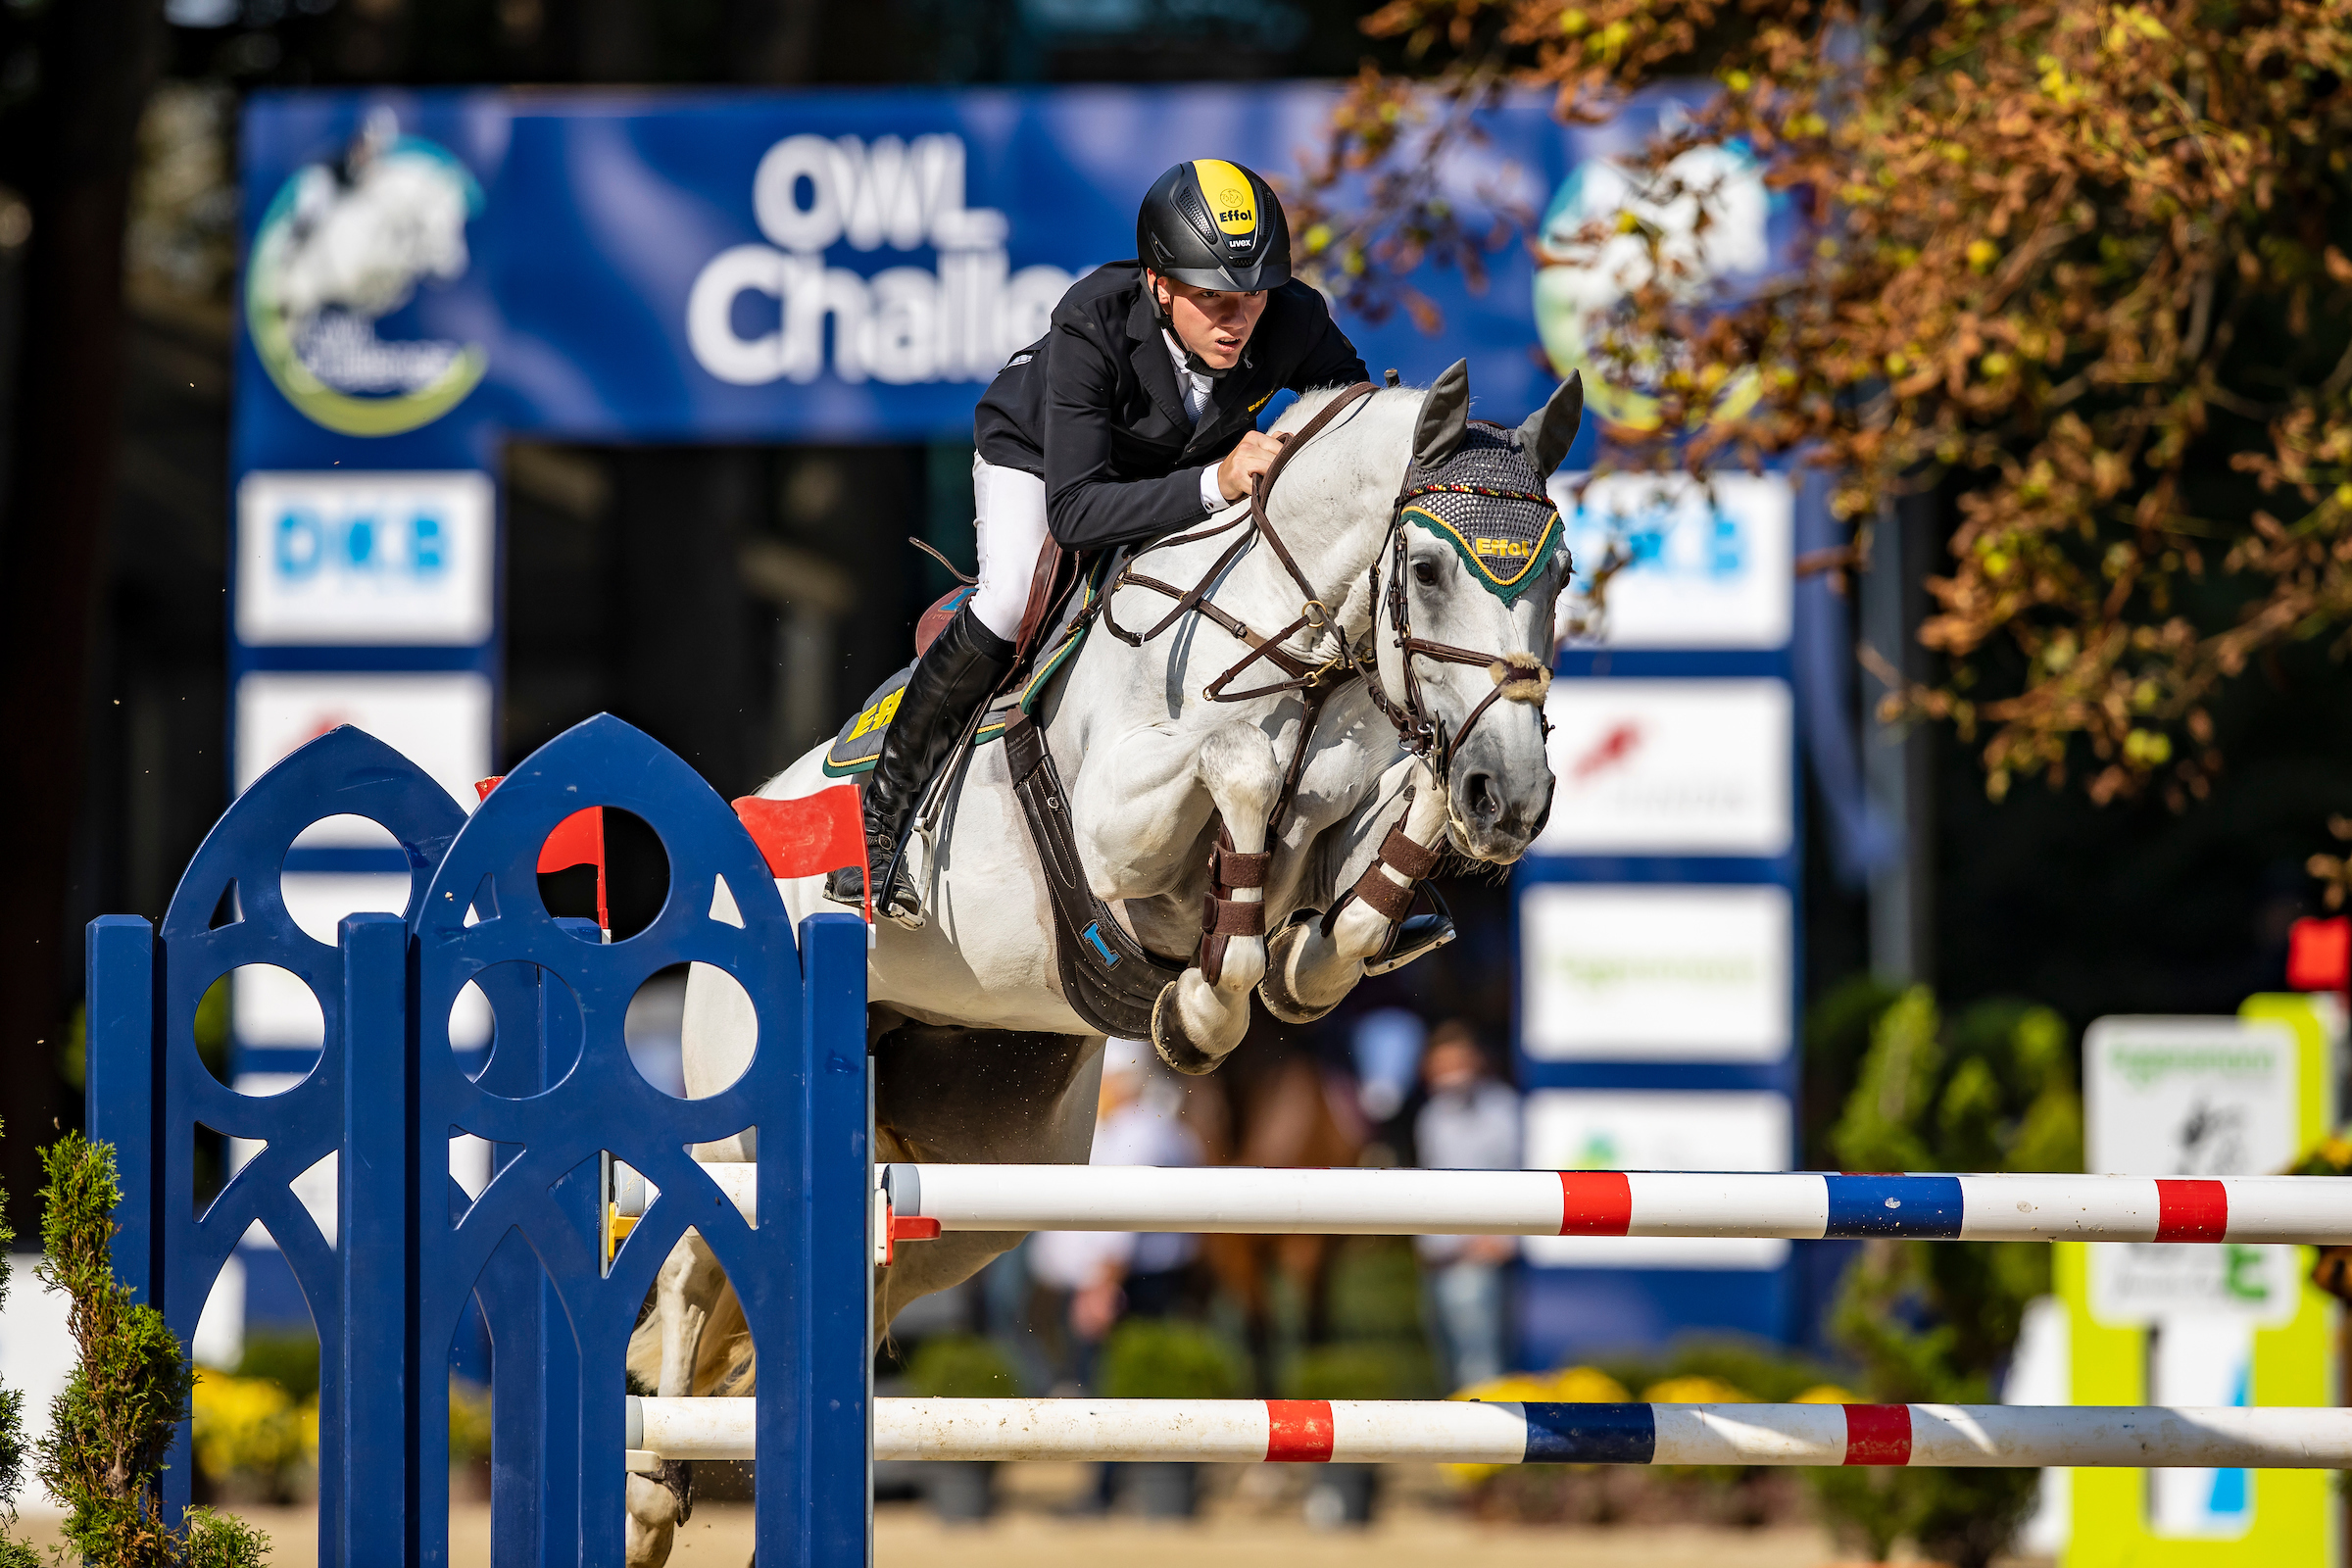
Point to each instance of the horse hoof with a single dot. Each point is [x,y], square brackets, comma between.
[1274,990]
[1168,1038]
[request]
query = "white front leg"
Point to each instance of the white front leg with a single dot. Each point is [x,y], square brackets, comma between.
[1198,1024]
[1362,931]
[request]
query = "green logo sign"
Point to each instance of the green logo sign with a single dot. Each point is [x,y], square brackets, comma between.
[341,247]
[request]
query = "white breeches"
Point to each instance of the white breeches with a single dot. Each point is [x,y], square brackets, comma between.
[1010,512]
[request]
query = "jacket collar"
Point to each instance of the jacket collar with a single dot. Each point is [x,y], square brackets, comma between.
[1148,352]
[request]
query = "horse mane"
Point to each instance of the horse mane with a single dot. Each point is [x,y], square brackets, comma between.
[1312,400]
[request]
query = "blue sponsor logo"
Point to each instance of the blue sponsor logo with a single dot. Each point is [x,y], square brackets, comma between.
[1093,934]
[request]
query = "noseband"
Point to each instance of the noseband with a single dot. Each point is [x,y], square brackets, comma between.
[1517,677]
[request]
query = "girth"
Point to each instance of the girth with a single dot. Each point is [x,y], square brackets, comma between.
[1108,977]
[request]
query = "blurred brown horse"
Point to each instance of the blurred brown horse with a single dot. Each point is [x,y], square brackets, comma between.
[1275,1104]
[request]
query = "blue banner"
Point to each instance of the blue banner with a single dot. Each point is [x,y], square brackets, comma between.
[428,268]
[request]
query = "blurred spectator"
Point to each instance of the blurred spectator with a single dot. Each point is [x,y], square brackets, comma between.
[1385,1045]
[1470,1122]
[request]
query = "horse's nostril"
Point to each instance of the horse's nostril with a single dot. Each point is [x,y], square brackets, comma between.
[1485,803]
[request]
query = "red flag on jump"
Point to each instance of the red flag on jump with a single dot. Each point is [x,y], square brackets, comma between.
[578,840]
[2319,954]
[810,836]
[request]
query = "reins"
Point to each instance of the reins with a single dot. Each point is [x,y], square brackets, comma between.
[1517,677]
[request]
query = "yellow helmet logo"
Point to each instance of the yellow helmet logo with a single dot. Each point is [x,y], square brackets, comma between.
[1230,198]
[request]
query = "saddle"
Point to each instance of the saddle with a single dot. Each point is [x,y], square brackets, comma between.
[1061,599]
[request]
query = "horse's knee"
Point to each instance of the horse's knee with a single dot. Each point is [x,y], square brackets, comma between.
[654,1511]
[1239,769]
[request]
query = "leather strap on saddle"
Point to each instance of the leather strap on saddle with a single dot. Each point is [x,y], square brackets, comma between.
[1413,862]
[1223,916]
[1108,977]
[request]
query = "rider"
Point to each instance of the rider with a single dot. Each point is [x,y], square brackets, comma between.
[1134,417]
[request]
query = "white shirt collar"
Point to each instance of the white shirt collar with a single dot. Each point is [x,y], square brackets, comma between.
[1190,382]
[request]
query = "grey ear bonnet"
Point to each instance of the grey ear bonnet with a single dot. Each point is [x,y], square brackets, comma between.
[1481,487]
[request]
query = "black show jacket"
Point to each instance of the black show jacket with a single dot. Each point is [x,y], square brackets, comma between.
[1093,407]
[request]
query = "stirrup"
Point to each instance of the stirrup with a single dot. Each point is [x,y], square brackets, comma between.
[905,907]
[1415,938]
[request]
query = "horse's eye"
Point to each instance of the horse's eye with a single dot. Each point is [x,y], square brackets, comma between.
[1425,572]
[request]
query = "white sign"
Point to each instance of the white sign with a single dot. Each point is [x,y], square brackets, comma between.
[1655,973]
[366,558]
[441,722]
[759,313]
[1712,565]
[1570,1129]
[2190,1097]
[1669,767]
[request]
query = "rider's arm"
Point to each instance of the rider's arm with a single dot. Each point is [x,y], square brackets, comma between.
[1085,508]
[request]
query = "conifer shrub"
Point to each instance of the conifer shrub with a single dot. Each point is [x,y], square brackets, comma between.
[110,1429]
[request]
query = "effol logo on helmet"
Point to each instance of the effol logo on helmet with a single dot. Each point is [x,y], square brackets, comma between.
[1230,199]
[344,245]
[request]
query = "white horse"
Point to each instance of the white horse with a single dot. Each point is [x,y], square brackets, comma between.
[978,1054]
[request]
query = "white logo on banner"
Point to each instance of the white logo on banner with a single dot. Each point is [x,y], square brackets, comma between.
[1703,572]
[1633,973]
[1575,1129]
[1669,767]
[900,325]
[364,558]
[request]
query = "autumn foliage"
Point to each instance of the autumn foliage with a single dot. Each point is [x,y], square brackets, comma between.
[2078,268]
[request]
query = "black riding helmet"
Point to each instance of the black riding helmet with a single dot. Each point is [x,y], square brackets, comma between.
[1215,224]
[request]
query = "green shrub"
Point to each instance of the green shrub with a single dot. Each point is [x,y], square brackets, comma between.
[1934,1321]
[288,1357]
[1163,1358]
[960,1366]
[130,1388]
[1374,1290]
[1362,1369]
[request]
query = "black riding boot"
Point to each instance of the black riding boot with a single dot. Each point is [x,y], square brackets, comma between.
[954,677]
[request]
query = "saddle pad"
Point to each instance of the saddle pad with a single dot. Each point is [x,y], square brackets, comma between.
[860,744]
[1108,977]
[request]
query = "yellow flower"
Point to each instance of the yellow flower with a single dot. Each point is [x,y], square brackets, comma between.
[1696,1388]
[243,1424]
[1570,1385]
[1981,253]
[1827,1393]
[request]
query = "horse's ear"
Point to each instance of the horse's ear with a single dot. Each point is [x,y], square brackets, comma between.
[1445,416]
[1552,429]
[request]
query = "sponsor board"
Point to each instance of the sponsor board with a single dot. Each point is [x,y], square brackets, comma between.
[1670,768]
[1642,974]
[2191,1096]
[1574,1129]
[341,558]
[1706,566]
[440,722]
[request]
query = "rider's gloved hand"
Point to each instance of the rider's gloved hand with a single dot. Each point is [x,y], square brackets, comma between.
[1245,462]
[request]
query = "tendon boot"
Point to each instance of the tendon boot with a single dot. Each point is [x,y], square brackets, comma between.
[951,681]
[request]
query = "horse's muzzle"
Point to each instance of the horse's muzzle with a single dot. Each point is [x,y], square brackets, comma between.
[1496,809]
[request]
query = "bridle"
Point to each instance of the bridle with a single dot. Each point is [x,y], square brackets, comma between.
[1517,677]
